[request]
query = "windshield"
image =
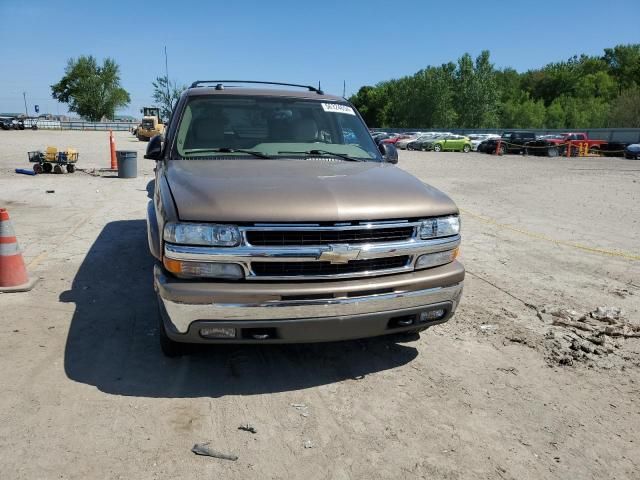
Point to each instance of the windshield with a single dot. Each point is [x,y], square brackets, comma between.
[243,126]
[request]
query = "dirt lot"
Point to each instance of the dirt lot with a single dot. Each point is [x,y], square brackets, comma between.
[518,385]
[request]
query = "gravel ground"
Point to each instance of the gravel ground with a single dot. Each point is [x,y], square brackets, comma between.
[524,382]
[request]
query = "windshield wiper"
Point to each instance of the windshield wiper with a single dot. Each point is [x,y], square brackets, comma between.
[228,150]
[344,156]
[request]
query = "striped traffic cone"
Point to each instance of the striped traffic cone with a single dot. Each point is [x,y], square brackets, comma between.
[13,273]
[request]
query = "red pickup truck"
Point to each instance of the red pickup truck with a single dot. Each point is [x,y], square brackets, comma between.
[562,141]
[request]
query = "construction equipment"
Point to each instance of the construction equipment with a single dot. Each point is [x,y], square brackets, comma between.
[53,161]
[151,124]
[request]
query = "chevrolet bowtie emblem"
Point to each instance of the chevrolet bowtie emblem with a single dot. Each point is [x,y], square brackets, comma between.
[339,254]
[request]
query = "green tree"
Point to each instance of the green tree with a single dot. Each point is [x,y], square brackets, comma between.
[165,94]
[625,110]
[476,96]
[624,63]
[92,91]
[523,112]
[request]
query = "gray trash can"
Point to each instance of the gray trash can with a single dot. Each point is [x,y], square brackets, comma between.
[127,163]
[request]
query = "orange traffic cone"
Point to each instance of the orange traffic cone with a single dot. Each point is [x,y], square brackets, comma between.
[13,273]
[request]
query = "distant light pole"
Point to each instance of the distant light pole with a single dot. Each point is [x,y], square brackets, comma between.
[166,72]
[24,96]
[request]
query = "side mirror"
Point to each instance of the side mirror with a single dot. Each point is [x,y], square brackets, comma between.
[389,152]
[154,148]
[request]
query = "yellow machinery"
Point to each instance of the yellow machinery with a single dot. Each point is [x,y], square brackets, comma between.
[151,124]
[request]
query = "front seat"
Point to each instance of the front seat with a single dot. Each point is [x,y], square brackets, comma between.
[206,132]
[306,130]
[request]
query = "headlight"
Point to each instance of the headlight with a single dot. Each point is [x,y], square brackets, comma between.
[440,227]
[202,234]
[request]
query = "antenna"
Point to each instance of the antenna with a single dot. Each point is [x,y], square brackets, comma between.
[166,72]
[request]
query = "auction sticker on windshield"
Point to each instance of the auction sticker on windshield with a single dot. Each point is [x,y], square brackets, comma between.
[337,108]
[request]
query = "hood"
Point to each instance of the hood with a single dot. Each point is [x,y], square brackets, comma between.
[299,191]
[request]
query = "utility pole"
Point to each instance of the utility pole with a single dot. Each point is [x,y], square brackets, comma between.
[24,96]
[344,88]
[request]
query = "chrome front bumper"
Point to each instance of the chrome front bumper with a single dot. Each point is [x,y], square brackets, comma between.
[184,307]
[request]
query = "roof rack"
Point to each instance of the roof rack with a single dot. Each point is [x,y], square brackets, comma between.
[220,84]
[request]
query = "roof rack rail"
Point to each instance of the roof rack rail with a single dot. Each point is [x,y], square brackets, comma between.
[220,84]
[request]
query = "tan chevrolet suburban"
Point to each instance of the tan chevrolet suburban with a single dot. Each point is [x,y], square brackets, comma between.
[276,218]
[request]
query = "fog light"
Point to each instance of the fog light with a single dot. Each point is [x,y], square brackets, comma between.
[432,315]
[435,259]
[218,332]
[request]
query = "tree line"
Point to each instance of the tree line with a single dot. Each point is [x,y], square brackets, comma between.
[581,92]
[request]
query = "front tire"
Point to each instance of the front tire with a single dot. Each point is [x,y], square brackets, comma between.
[437,148]
[503,150]
[553,151]
[466,149]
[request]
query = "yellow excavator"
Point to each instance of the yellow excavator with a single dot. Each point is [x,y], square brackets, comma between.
[151,124]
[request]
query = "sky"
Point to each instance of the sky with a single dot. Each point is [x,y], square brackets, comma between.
[358,42]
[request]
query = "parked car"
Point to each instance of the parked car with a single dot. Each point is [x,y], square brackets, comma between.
[402,143]
[256,244]
[632,151]
[419,142]
[448,143]
[393,138]
[557,144]
[11,123]
[386,136]
[510,142]
[477,138]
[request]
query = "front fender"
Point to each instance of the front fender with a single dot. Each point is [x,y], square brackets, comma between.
[153,233]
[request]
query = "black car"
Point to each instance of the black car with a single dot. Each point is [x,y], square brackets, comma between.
[11,123]
[632,152]
[510,142]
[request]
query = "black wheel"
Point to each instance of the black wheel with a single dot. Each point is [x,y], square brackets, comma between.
[34,127]
[553,151]
[594,151]
[466,149]
[71,168]
[169,348]
[503,149]
[58,169]
[37,168]
[47,167]
[437,148]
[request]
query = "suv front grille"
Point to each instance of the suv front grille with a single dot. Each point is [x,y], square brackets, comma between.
[294,269]
[268,238]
